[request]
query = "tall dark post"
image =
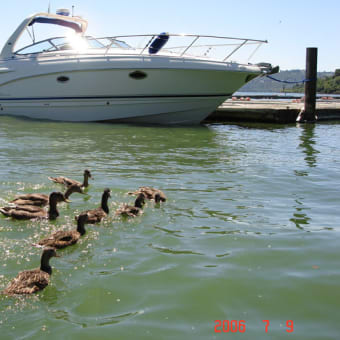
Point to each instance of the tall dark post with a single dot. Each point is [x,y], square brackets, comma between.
[309,114]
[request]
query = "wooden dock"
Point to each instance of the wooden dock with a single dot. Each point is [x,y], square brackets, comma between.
[270,111]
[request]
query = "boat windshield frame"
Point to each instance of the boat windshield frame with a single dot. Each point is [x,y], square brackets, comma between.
[76,23]
[64,45]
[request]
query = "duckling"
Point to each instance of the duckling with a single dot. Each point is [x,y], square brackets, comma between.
[27,212]
[132,211]
[150,193]
[96,215]
[65,238]
[68,182]
[31,281]
[41,200]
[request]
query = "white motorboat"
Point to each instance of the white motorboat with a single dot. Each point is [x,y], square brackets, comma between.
[119,79]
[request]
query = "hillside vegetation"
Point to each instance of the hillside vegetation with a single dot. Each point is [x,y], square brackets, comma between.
[327,85]
[264,84]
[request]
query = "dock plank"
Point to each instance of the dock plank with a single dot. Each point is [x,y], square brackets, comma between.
[270,111]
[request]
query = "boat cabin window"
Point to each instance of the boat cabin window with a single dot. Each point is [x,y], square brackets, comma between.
[62,43]
[107,43]
[67,43]
[57,44]
[121,44]
[49,45]
[76,43]
[42,46]
[94,43]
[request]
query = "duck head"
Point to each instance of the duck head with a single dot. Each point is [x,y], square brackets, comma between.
[158,198]
[140,201]
[105,197]
[56,197]
[81,220]
[83,217]
[107,193]
[47,253]
[87,173]
[50,252]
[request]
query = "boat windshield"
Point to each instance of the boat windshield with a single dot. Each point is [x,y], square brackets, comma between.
[72,42]
[110,42]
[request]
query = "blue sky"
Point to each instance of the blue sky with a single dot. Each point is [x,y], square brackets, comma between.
[289,26]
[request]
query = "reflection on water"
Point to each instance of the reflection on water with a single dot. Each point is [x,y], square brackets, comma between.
[252,210]
[308,142]
[173,251]
[307,146]
[300,218]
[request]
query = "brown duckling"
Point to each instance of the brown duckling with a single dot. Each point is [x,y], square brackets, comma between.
[27,212]
[68,182]
[41,200]
[132,211]
[96,215]
[65,238]
[31,281]
[150,194]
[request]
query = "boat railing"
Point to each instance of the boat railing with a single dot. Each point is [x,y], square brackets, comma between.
[207,46]
[221,49]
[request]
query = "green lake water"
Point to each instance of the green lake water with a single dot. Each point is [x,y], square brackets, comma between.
[250,232]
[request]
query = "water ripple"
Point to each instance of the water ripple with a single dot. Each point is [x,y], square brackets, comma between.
[173,251]
[251,223]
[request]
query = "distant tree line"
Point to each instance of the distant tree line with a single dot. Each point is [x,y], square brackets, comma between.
[264,84]
[327,85]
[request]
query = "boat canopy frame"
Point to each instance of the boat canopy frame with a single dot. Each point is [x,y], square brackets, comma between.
[42,20]
[76,23]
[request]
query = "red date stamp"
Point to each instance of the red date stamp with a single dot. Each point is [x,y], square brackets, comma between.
[232,326]
[239,326]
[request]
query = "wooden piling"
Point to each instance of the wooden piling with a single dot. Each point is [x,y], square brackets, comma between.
[309,112]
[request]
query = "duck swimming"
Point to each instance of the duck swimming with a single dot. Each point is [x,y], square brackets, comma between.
[65,238]
[27,212]
[150,193]
[96,215]
[31,281]
[68,182]
[42,200]
[132,211]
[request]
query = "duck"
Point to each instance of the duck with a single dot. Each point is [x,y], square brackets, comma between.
[68,182]
[96,215]
[150,194]
[42,200]
[27,212]
[131,211]
[65,238]
[34,280]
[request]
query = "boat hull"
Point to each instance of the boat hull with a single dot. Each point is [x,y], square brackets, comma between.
[151,110]
[80,90]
